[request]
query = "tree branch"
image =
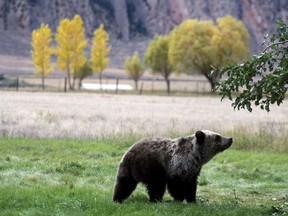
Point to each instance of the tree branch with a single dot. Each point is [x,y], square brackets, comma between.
[273,44]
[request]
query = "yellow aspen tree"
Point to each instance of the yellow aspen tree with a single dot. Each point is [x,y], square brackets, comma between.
[42,51]
[99,51]
[71,42]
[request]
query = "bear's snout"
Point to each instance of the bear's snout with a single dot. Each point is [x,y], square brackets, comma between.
[229,142]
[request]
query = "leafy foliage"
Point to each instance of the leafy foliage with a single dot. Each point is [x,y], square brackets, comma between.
[99,51]
[83,72]
[232,41]
[42,51]
[134,67]
[262,79]
[71,41]
[196,46]
[156,57]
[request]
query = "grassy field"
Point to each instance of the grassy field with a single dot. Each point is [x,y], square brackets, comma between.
[59,154]
[73,177]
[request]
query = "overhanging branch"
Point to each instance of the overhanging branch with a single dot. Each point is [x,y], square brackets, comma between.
[273,44]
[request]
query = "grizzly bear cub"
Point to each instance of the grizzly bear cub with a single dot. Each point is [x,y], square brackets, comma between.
[157,162]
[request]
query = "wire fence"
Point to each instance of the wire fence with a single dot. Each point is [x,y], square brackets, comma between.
[109,85]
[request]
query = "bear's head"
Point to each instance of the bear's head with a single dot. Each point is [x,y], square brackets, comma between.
[210,143]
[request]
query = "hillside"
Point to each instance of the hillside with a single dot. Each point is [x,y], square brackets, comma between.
[133,21]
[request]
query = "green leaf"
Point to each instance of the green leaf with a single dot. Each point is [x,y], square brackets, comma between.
[270,70]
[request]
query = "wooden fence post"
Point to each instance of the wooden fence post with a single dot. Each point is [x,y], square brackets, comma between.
[59,86]
[141,88]
[17,83]
[117,83]
[107,82]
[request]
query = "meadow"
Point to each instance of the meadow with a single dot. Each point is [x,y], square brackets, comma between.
[91,116]
[60,152]
[75,177]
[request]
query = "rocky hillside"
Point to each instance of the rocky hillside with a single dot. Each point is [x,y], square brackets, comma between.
[130,19]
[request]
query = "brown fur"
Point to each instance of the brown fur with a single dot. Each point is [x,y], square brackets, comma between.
[157,162]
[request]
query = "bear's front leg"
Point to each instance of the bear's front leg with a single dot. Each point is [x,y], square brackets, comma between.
[190,192]
[176,188]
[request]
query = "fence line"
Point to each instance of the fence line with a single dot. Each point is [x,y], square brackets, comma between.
[146,84]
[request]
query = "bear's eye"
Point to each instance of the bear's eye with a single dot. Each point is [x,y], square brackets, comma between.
[217,138]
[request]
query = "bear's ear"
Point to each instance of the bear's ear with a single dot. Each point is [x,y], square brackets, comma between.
[200,136]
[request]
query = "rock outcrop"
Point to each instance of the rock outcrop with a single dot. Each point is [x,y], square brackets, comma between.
[259,16]
[128,19]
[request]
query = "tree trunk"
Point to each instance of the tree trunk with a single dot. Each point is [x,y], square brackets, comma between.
[65,84]
[80,84]
[43,81]
[211,81]
[69,78]
[100,79]
[212,84]
[168,85]
[73,84]
[136,84]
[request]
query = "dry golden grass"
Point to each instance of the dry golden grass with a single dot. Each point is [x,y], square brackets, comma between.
[84,115]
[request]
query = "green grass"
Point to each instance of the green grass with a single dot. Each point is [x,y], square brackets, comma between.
[73,177]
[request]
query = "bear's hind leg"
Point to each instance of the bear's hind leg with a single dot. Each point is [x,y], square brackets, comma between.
[124,187]
[156,190]
[125,184]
